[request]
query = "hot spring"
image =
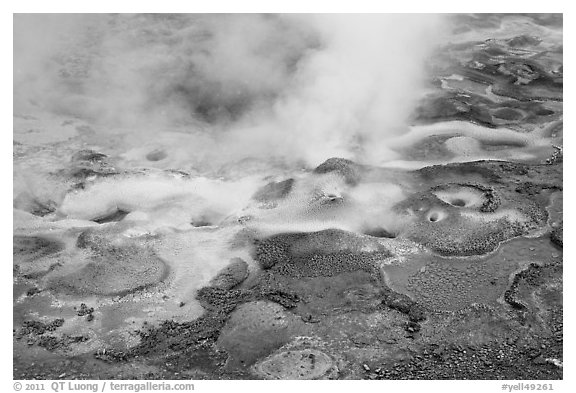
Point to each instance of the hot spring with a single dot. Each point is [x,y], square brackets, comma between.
[268,185]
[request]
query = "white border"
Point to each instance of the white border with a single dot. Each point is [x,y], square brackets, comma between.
[291,6]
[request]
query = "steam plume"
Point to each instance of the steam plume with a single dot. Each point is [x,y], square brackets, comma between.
[300,87]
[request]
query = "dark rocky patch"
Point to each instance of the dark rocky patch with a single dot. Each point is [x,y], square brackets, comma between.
[438,174]
[89,239]
[85,310]
[324,253]
[231,275]
[180,338]
[221,300]
[400,302]
[288,300]
[534,276]
[118,215]
[274,191]
[33,291]
[35,206]
[189,345]
[88,165]
[557,156]
[349,170]
[36,333]
[493,361]
[529,188]
[38,328]
[557,235]
[88,156]
[32,248]
[321,265]
[53,343]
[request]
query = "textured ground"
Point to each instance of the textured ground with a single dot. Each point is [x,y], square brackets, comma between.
[344,271]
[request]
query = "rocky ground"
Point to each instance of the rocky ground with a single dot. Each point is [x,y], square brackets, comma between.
[464,283]
[336,304]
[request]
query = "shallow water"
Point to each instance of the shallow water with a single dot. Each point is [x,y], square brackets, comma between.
[450,284]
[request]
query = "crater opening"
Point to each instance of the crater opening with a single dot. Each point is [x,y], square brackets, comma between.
[435,216]
[468,196]
[118,215]
[332,198]
[156,155]
[458,202]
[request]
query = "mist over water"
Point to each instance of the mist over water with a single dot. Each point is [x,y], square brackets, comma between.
[236,101]
[300,88]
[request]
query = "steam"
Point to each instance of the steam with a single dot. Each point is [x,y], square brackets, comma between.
[360,89]
[301,88]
